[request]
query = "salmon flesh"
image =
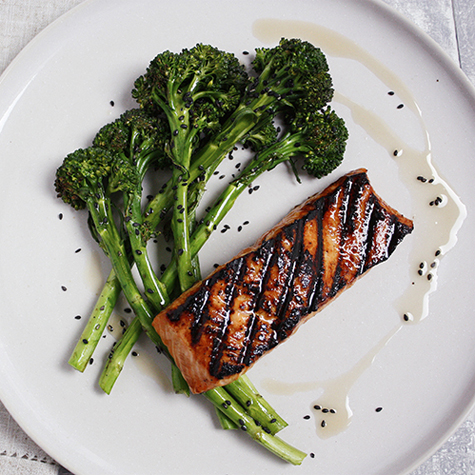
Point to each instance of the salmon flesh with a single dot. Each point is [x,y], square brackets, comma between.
[221,326]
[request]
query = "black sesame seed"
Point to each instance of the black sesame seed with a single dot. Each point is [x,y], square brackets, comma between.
[391,93]
[150,291]
[138,252]
[63,288]
[395,153]
[437,253]
[112,103]
[323,424]
[406,317]
[239,229]
[273,421]
[266,429]
[325,410]
[60,216]
[78,317]
[180,252]
[122,323]
[420,272]
[312,455]
[378,409]
[134,353]
[400,106]
[431,180]
[91,361]
[333,411]
[317,407]
[429,276]
[245,52]
[307,417]
[127,310]
[85,341]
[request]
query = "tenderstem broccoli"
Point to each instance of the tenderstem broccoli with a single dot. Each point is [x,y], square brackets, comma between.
[195,106]
[292,76]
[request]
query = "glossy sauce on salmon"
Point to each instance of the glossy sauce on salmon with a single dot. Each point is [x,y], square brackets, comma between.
[221,326]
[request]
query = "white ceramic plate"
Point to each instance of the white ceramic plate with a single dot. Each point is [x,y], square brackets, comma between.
[54,97]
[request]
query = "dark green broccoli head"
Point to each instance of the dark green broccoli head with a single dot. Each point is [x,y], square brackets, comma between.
[262,136]
[88,174]
[136,133]
[323,136]
[296,72]
[203,81]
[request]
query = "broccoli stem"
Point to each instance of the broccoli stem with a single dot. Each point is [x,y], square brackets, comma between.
[101,214]
[156,292]
[204,162]
[180,228]
[234,411]
[246,393]
[116,364]
[96,324]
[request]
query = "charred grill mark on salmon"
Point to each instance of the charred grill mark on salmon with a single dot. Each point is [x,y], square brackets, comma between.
[246,307]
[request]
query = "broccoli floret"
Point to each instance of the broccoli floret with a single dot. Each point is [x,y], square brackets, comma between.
[85,175]
[194,89]
[294,74]
[141,137]
[325,148]
[319,139]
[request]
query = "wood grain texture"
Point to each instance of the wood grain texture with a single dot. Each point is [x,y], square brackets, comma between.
[464,17]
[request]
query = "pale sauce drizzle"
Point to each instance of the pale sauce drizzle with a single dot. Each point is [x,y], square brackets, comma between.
[438,213]
[331,410]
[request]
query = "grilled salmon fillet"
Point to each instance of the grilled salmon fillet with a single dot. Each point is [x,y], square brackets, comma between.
[221,326]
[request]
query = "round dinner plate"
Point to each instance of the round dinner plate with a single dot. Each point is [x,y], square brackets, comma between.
[403,387]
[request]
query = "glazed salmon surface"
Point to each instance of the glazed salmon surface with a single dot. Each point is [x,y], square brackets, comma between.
[220,327]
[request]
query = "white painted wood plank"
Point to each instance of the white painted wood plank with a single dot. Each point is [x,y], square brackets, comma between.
[435,17]
[464,13]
